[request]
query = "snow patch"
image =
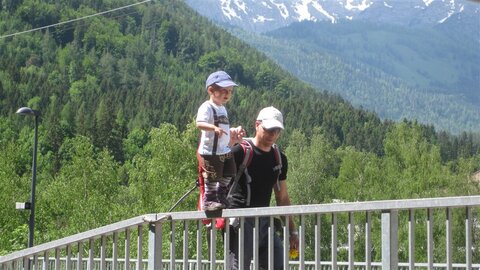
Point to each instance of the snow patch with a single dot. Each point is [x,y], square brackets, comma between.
[301,8]
[261,19]
[450,13]
[265,4]
[227,10]
[241,5]
[427,2]
[320,9]
[350,5]
[281,8]
[387,5]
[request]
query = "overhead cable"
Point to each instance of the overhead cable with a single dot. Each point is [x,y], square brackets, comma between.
[74,20]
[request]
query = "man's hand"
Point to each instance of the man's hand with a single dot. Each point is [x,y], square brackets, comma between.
[293,241]
[236,135]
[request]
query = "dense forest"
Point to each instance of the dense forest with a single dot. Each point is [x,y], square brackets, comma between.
[118,94]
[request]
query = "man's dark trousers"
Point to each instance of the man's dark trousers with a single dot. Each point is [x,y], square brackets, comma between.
[248,226]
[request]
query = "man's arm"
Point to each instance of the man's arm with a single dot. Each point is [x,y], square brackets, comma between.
[282,198]
[236,135]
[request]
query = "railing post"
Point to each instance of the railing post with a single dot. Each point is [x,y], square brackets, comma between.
[115,251]
[468,238]
[390,240]
[68,262]
[286,243]
[213,245]
[139,265]
[271,248]
[103,252]
[334,241]
[449,244]
[155,246]
[351,241]
[80,256]
[91,254]
[172,245]
[127,250]
[301,253]
[57,259]
[318,241]
[226,245]
[256,241]
[199,244]
[45,260]
[430,239]
[411,239]
[185,244]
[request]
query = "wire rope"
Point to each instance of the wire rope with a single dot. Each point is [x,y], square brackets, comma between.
[73,20]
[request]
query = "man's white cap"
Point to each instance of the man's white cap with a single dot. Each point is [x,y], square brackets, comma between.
[271,118]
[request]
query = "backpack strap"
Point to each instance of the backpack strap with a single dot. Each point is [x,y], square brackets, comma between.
[278,161]
[215,138]
[247,158]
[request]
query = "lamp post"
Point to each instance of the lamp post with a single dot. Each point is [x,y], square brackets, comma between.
[31,205]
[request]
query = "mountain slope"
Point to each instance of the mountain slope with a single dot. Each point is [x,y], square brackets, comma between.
[316,57]
[402,59]
[262,16]
[105,77]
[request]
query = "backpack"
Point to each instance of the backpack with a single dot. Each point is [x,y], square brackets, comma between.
[242,169]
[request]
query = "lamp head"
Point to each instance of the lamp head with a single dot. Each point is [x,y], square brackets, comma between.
[28,111]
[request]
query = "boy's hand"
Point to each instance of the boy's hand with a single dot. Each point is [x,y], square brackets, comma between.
[219,131]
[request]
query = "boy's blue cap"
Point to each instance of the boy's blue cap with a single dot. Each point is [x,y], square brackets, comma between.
[220,78]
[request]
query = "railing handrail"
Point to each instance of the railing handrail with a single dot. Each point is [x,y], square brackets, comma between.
[90,234]
[442,202]
[384,205]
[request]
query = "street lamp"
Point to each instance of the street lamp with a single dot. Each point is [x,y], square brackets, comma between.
[31,205]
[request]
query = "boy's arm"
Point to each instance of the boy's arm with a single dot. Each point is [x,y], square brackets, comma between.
[211,127]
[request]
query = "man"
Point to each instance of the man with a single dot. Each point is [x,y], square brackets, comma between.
[257,190]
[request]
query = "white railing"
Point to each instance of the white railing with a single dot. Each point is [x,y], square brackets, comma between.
[387,233]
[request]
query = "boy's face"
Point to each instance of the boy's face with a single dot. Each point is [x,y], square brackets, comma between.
[220,95]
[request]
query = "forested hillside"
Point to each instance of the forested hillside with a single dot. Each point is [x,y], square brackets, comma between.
[428,74]
[118,94]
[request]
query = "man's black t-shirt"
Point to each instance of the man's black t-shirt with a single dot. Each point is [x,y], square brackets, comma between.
[262,175]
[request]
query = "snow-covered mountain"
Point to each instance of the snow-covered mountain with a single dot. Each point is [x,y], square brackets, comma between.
[265,15]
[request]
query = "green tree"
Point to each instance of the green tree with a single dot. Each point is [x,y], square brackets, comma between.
[170,37]
[38,13]
[107,131]
[14,187]
[313,166]
[165,169]
[412,165]
[360,172]
[82,195]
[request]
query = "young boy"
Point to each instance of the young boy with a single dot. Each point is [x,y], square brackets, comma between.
[216,159]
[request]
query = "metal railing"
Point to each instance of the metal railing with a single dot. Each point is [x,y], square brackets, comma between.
[362,235]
